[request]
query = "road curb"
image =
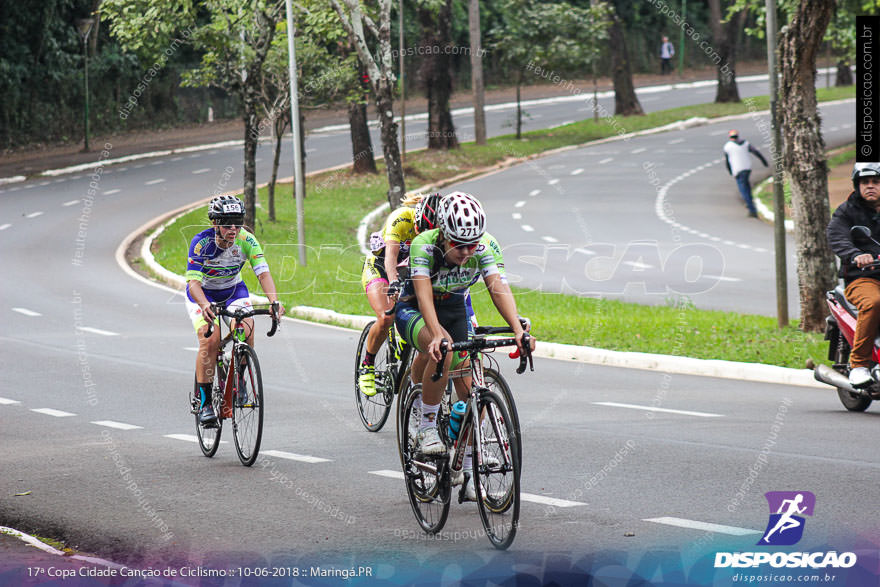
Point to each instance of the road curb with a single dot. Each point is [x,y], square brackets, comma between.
[39,544]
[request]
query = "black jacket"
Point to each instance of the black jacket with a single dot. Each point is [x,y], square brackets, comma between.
[853,212]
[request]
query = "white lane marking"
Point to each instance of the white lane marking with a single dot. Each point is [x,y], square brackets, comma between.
[176,158]
[191,348]
[8,402]
[157,163]
[97,331]
[51,412]
[553,182]
[117,425]
[26,312]
[534,192]
[637,265]
[188,438]
[527,228]
[199,171]
[4,226]
[585,251]
[154,181]
[295,457]
[111,192]
[717,132]
[550,239]
[520,204]
[258,160]
[722,278]
[606,160]
[71,203]
[33,214]
[834,128]
[122,169]
[42,183]
[139,166]
[674,141]
[577,171]
[664,410]
[639,150]
[534,498]
[516,216]
[195,155]
[721,529]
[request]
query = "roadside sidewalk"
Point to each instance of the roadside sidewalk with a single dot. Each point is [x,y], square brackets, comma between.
[28,162]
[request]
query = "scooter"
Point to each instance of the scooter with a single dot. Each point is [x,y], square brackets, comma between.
[840,329]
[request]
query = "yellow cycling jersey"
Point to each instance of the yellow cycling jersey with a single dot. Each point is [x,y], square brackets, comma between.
[400,226]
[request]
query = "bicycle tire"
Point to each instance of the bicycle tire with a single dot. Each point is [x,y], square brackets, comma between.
[496,382]
[428,492]
[209,437]
[374,410]
[496,484]
[247,406]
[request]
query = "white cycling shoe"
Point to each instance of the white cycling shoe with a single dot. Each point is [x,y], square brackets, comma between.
[430,443]
[860,377]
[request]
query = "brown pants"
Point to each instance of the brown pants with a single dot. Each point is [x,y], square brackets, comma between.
[864,293]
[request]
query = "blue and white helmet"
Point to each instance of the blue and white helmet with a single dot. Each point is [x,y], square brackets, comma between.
[226,209]
[461,218]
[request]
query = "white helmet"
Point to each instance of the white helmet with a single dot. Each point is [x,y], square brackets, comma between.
[461,218]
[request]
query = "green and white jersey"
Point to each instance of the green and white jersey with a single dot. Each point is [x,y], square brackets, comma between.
[450,282]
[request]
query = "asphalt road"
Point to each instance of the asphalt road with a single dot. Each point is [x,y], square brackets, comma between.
[94,425]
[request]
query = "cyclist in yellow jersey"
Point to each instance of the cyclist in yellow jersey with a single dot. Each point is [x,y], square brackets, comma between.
[389,248]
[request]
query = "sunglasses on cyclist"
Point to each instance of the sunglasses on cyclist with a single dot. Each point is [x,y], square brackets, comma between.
[229,226]
[468,246]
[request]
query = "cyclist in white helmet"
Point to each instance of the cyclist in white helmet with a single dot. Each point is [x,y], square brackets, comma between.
[213,275]
[444,263]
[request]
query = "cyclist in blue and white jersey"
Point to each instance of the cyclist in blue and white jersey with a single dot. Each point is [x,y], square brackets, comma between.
[213,275]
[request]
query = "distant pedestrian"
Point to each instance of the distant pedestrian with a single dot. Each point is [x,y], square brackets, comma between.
[667,51]
[739,165]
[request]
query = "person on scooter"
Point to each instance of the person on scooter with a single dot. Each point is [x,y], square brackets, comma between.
[861,278]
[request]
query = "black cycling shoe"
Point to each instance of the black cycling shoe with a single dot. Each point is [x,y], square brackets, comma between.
[207,417]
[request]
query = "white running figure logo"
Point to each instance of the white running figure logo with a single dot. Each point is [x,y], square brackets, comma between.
[786,522]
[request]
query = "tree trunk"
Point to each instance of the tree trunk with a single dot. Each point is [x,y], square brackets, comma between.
[251,139]
[436,73]
[625,101]
[726,36]
[519,79]
[804,157]
[363,160]
[844,73]
[278,126]
[477,72]
[390,148]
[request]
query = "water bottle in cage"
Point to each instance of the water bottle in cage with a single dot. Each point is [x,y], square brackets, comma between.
[456,415]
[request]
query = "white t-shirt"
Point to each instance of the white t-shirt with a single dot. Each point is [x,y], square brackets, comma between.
[738,156]
[667,50]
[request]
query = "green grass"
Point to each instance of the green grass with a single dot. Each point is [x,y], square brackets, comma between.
[336,201]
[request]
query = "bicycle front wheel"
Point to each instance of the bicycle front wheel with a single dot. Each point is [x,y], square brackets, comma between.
[247,406]
[496,382]
[374,409]
[209,436]
[427,478]
[497,471]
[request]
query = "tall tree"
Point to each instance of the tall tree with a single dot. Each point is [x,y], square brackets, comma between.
[363,160]
[436,21]
[626,103]
[381,79]
[235,38]
[725,36]
[804,157]
[475,34]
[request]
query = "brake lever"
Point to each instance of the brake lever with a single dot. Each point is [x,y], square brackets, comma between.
[443,350]
[210,323]
[274,319]
[526,354]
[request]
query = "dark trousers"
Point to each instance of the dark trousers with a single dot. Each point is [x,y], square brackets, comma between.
[864,293]
[745,189]
[665,66]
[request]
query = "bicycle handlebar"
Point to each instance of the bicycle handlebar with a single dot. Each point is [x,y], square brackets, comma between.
[479,344]
[242,313]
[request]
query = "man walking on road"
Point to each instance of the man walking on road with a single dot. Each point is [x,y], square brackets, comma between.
[667,50]
[739,165]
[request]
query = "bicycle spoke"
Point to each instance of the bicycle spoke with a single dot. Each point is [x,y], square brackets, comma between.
[247,407]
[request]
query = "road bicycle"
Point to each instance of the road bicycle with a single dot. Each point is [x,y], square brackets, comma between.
[237,391]
[488,428]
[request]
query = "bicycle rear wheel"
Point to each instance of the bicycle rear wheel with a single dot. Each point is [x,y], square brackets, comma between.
[374,409]
[209,436]
[247,406]
[497,472]
[427,478]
